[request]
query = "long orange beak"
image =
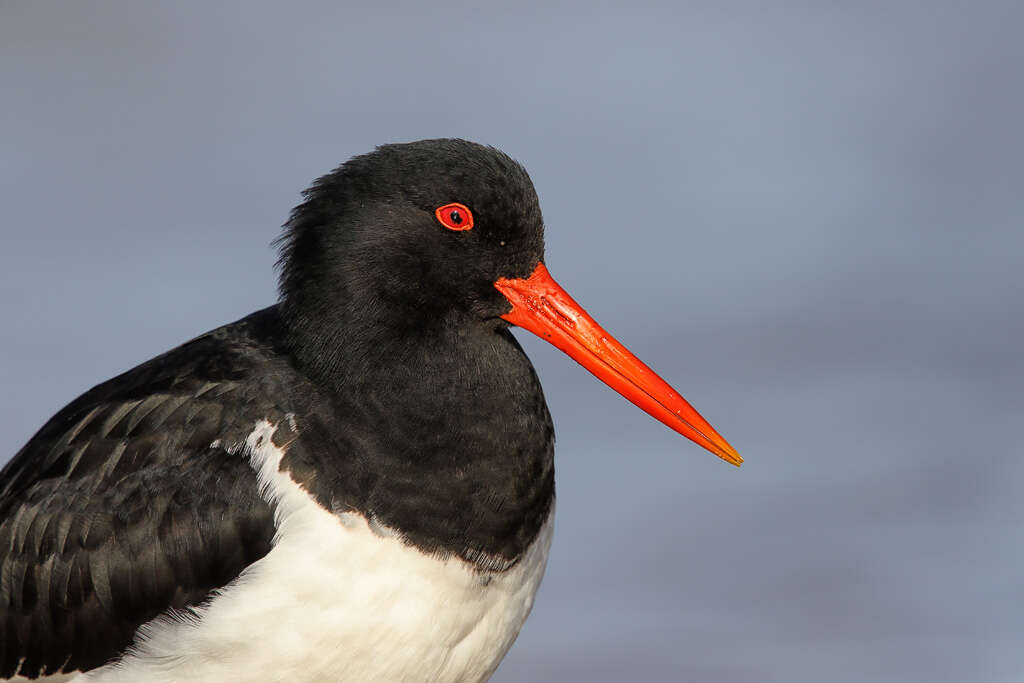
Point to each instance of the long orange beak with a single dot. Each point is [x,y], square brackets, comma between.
[541,306]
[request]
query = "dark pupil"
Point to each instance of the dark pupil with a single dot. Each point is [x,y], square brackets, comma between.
[455,216]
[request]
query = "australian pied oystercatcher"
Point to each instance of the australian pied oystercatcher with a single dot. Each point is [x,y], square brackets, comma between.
[355,484]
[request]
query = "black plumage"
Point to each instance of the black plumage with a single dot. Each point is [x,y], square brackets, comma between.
[398,391]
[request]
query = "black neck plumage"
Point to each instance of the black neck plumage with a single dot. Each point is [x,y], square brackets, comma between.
[426,423]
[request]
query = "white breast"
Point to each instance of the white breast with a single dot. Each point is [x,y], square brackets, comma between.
[339,598]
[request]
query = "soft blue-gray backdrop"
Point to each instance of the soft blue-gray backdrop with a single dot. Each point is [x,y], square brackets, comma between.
[807,216]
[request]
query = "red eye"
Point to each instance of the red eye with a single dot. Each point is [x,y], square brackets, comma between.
[455,216]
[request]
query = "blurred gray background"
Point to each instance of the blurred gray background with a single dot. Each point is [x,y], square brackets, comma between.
[806,217]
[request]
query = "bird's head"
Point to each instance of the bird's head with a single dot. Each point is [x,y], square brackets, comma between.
[449,233]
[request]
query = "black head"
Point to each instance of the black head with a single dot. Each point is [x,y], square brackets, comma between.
[367,240]
[377,272]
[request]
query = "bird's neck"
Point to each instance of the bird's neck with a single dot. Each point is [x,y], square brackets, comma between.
[452,412]
[377,348]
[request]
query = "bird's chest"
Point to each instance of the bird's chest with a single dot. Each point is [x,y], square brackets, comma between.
[339,598]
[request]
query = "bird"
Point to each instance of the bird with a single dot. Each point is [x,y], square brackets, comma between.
[353,484]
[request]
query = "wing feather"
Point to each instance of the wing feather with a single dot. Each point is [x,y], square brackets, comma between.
[128,503]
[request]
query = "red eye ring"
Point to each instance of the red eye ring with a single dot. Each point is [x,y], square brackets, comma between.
[455,216]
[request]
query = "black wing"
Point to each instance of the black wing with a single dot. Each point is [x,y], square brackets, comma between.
[128,503]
